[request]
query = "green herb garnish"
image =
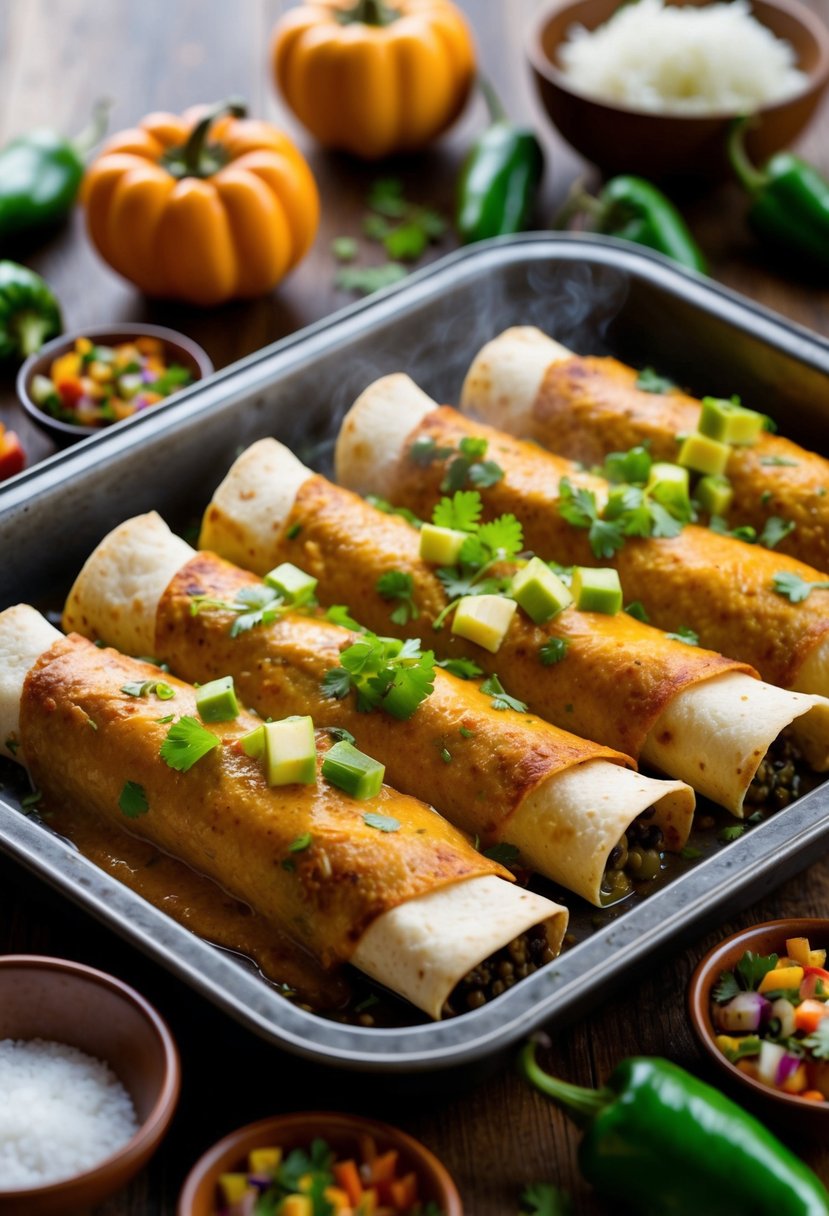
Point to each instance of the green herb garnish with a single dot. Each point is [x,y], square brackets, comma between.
[649,381]
[344,248]
[464,669]
[254,605]
[398,585]
[553,651]
[505,854]
[385,674]
[733,832]
[380,504]
[818,1041]
[147,688]
[338,614]
[368,279]
[683,634]
[300,844]
[544,1199]
[492,687]
[186,742]
[779,462]
[753,967]
[133,800]
[383,823]
[637,611]
[794,588]
[775,530]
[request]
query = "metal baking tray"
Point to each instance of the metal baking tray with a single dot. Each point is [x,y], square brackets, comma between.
[595,295]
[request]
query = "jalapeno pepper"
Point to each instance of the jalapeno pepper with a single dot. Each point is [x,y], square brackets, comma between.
[634,210]
[29,312]
[789,201]
[669,1145]
[40,174]
[499,179]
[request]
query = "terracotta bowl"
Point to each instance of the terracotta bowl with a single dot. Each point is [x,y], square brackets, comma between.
[65,1002]
[620,139]
[787,1110]
[177,349]
[341,1133]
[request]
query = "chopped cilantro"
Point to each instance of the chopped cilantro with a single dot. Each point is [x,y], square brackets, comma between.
[505,854]
[649,381]
[733,832]
[753,967]
[794,588]
[293,532]
[725,988]
[689,853]
[398,585]
[818,1040]
[344,248]
[386,197]
[637,611]
[384,673]
[465,732]
[147,688]
[338,614]
[383,823]
[12,745]
[368,279]
[300,843]
[775,530]
[406,242]
[186,742]
[632,467]
[462,511]
[464,669]
[31,799]
[133,800]
[578,507]
[425,451]
[492,687]
[544,1199]
[380,504]
[744,533]
[340,734]
[553,651]
[778,462]
[446,755]
[765,498]
[254,605]
[683,634]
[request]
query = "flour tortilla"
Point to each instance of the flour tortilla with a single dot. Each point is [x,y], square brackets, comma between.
[566,827]
[505,377]
[420,949]
[713,735]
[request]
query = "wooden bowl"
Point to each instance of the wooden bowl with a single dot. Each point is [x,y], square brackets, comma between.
[66,1002]
[626,140]
[177,349]
[341,1133]
[786,1110]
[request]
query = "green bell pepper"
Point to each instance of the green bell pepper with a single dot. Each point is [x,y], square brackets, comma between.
[29,311]
[634,210]
[667,1144]
[499,178]
[789,201]
[40,175]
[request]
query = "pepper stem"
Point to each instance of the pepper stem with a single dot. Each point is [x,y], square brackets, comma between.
[750,177]
[578,200]
[195,156]
[31,331]
[370,12]
[86,140]
[583,1104]
[497,113]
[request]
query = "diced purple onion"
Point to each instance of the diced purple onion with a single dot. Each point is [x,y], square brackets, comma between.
[787,1066]
[744,1012]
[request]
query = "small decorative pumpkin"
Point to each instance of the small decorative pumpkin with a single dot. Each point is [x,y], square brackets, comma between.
[206,207]
[374,77]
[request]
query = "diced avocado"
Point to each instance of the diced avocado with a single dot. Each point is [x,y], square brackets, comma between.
[290,751]
[441,545]
[539,592]
[353,771]
[234,1187]
[216,700]
[704,455]
[253,743]
[729,422]
[714,494]
[597,590]
[668,484]
[484,619]
[293,584]
[264,1161]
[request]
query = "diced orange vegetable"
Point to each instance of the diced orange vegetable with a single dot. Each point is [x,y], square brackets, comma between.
[66,367]
[297,1205]
[781,977]
[797,948]
[12,456]
[348,1177]
[749,1067]
[368,1149]
[404,1192]
[384,1167]
[817,958]
[149,346]
[339,1200]
[808,1014]
[71,390]
[83,346]
[813,1095]
[797,1082]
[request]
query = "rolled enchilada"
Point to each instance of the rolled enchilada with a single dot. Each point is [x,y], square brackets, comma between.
[621,683]
[715,585]
[352,893]
[586,407]
[500,776]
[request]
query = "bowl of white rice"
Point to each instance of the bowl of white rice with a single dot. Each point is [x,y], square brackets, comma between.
[652,86]
[89,1077]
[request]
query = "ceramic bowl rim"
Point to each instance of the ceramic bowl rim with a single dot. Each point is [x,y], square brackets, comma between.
[700,1016]
[129,329]
[543,64]
[155,1124]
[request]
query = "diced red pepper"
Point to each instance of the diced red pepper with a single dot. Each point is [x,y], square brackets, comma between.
[12,456]
[70,391]
[404,1192]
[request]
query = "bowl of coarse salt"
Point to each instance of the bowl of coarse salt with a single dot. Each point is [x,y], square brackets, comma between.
[653,87]
[89,1080]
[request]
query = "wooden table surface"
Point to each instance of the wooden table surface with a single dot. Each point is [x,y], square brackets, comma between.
[56,57]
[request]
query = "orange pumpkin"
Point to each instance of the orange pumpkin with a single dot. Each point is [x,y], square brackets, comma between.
[375,76]
[205,207]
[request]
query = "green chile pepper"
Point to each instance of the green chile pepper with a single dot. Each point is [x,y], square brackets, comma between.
[633,209]
[790,200]
[29,312]
[499,179]
[664,1142]
[40,175]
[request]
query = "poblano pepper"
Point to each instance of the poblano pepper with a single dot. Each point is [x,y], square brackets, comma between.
[634,210]
[667,1144]
[40,175]
[789,201]
[499,179]
[29,312]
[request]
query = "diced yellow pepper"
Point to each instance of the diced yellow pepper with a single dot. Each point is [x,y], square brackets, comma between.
[817,958]
[727,1043]
[83,346]
[797,948]
[297,1205]
[264,1160]
[368,1204]
[781,977]
[338,1199]
[234,1187]
[66,367]
[797,1082]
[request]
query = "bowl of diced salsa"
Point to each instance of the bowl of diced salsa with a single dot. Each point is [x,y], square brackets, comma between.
[317,1162]
[80,384]
[759,1002]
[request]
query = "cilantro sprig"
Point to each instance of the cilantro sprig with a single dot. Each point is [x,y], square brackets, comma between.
[384,673]
[254,605]
[399,585]
[544,1199]
[492,687]
[794,588]
[187,742]
[649,381]
[467,463]
[818,1040]
[486,544]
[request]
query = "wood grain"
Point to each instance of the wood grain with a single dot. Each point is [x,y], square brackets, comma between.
[56,57]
